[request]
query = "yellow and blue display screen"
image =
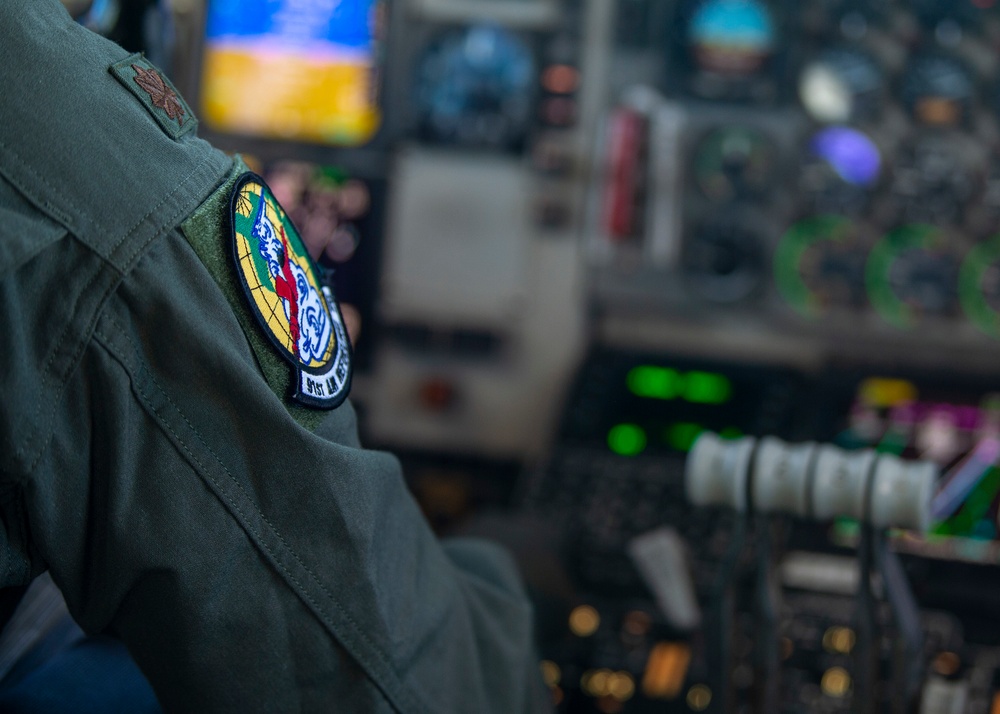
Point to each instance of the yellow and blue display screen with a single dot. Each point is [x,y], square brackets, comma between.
[298,70]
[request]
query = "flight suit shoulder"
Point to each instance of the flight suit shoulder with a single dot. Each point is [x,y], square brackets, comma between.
[25,230]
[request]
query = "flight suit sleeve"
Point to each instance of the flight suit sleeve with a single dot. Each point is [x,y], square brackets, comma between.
[248,563]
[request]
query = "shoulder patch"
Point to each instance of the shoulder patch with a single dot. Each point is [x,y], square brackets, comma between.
[296,311]
[157,94]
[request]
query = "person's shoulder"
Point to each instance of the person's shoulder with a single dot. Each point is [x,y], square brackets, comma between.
[25,231]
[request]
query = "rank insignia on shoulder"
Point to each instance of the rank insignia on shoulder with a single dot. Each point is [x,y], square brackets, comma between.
[156,93]
[297,312]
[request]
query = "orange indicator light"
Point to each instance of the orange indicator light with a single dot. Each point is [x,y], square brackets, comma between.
[666,670]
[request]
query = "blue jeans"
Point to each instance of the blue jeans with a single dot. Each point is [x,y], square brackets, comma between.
[68,672]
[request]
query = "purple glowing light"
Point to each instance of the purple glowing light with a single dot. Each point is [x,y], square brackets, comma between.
[850,153]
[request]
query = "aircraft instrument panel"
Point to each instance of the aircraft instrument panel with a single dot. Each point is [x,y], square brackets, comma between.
[825,167]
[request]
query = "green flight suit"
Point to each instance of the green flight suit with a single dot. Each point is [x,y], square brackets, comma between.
[253,557]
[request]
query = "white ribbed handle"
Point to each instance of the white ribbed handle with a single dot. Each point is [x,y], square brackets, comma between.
[810,481]
[781,477]
[717,470]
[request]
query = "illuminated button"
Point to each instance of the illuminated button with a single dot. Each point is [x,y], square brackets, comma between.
[621,686]
[560,79]
[879,392]
[839,640]
[666,670]
[437,394]
[595,682]
[699,697]
[654,382]
[584,621]
[706,388]
[627,439]
[637,623]
[551,674]
[836,682]
[946,663]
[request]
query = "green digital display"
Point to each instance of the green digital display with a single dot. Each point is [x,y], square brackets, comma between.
[654,382]
[706,388]
[697,387]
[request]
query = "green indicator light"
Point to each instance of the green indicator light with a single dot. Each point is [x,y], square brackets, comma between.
[846,530]
[706,388]
[682,436]
[627,439]
[731,432]
[654,382]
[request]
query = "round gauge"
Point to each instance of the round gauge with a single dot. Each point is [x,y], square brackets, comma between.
[911,273]
[732,37]
[938,90]
[734,162]
[840,170]
[979,286]
[930,181]
[840,85]
[819,264]
[476,87]
[723,261]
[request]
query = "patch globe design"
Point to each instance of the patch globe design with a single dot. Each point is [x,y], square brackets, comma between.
[298,313]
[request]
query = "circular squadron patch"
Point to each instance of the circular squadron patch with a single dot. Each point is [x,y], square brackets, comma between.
[298,313]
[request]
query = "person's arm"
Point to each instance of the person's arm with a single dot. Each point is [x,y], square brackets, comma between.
[252,558]
[249,564]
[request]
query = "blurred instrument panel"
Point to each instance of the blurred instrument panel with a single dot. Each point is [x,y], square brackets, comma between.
[581,233]
[789,230]
[821,169]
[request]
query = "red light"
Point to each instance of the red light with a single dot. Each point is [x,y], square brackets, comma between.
[560,79]
[437,394]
